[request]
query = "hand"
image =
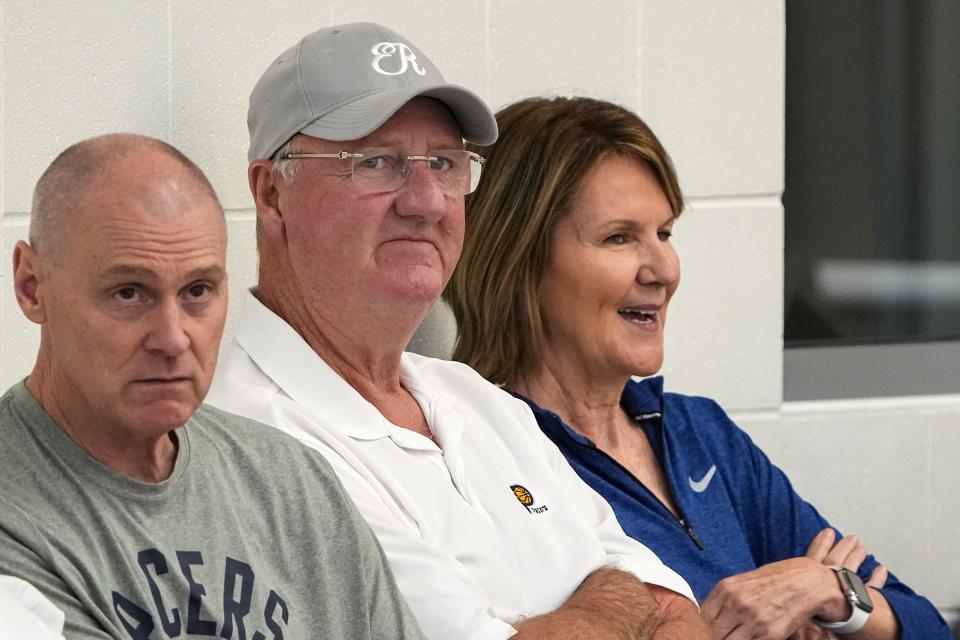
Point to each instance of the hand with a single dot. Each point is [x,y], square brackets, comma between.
[846,553]
[850,554]
[771,602]
[779,599]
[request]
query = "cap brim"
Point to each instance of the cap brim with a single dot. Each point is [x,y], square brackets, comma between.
[363,116]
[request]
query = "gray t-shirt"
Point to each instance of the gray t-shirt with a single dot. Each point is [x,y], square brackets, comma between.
[251,537]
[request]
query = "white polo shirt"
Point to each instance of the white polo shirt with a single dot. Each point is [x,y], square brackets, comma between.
[25,614]
[491,527]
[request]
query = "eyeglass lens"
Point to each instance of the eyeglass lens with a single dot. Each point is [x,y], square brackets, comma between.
[385,169]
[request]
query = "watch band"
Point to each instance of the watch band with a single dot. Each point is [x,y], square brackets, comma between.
[858,615]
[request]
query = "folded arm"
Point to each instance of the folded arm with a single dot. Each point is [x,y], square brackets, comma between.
[780,526]
[614,605]
[779,599]
[613,602]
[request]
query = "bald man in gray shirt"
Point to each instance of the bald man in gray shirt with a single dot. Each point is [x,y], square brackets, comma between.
[134,511]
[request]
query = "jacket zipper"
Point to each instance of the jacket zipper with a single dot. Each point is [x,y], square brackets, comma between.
[679,516]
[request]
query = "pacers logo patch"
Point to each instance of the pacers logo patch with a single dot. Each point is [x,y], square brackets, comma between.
[526,498]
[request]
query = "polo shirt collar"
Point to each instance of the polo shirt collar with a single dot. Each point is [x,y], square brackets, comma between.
[286,358]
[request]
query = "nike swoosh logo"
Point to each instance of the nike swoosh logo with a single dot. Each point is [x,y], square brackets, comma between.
[699,486]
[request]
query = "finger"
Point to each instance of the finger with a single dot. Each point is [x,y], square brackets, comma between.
[821,544]
[878,577]
[741,632]
[726,628]
[712,611]
[855,558]
[841,550]
[710,607]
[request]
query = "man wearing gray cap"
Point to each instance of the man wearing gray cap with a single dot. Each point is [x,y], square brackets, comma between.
[359,175]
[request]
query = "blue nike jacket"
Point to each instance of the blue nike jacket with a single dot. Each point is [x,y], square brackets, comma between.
[737,510]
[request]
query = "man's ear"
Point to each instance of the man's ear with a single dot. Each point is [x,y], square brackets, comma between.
[27,279]
[263,186]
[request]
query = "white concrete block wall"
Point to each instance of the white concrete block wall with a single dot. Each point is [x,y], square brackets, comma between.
[884,469]
[707,76]
[722,328]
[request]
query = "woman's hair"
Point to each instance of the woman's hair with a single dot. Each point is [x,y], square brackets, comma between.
[532,174]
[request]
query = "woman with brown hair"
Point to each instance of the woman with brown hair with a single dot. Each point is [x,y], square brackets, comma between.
[561,295]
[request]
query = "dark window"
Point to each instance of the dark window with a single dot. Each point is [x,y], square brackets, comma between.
[872,196]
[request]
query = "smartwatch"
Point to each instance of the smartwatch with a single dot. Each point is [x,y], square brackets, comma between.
[857,595]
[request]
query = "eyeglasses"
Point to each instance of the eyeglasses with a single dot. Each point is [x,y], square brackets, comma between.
[379,170]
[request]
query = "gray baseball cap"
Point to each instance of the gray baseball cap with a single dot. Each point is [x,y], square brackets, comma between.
[343,82]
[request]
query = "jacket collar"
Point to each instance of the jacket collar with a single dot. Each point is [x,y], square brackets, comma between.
[641,399]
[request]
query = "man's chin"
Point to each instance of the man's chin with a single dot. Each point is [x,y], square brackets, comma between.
[162,416]
[417,288]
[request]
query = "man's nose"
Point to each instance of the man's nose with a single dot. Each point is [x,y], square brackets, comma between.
[422,194]
[167,331]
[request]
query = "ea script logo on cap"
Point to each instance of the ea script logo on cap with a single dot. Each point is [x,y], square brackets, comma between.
[395,51]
